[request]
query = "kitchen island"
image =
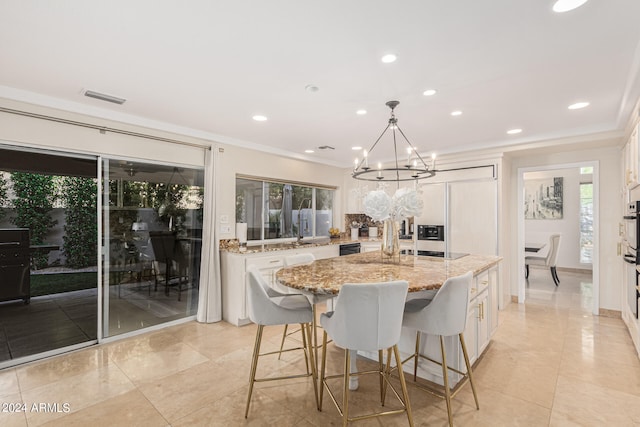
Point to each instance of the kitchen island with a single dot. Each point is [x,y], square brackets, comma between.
[424,274]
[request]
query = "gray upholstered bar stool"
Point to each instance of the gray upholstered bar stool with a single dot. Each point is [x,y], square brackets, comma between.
[367,316]
[302,259]
[268,307]
[444,316]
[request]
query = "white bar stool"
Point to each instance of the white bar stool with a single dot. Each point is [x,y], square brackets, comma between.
[268,307]
[367,316]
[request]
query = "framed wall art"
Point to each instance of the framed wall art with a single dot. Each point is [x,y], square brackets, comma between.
[543,198]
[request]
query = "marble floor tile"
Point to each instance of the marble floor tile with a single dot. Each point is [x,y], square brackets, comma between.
[160,363]
[550,363]
[9,383]
[61,367]
[78,392]
[586,404]
[13,413]
[127,409]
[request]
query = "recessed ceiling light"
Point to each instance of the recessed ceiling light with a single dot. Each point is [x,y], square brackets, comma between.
[387,59]
[514,131]
[429,92]
[567,5]
[356,148]
[309,151]
[311,88]
[361,112]
[456,113]
[259,118]
[578,105]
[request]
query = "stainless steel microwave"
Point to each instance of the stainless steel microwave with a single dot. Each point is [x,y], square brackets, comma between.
[431,232]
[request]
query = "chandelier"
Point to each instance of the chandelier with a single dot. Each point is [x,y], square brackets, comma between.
[413,168]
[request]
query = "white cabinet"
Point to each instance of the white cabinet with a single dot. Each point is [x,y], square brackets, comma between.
[370,246]
[482,311]
[470,335]
[234,280]
[473,213]
[494,298]
[631,178]
[482,319]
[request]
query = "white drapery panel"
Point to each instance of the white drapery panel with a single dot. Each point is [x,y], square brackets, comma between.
[209,301]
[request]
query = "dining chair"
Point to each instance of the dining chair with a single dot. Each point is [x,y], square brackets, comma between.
[268,307]
[444,316]
[548,261]
[368,317]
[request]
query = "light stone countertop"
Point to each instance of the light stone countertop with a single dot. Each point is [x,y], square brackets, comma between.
[272,247]
[326,276]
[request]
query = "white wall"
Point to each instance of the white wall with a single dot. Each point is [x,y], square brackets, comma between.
[33,132]
[539,230]
[609,207]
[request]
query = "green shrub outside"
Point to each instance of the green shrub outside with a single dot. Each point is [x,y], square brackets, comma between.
[33,203]
[81,222]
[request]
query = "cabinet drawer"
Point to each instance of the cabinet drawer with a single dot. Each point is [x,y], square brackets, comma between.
[269,262]
[482,282]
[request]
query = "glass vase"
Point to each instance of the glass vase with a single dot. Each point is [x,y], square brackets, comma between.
[390,239]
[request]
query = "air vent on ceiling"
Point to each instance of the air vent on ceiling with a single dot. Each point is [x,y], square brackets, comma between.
[326,147]
[104,97]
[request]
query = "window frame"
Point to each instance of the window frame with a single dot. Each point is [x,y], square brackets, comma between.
[264,207]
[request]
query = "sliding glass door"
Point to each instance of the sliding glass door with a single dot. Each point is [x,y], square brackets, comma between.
[60,237]
[48,253]
[152,238]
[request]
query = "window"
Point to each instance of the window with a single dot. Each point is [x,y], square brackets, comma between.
[279,210]
[586,223]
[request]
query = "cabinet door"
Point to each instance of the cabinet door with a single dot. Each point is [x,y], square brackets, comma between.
[433,197]
[631,160]
[483,322]
[472,226]
[470,333]
[493,301]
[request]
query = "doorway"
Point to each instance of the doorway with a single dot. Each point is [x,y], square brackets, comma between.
[103,257]
[575,219]
[152,239]
[50,199]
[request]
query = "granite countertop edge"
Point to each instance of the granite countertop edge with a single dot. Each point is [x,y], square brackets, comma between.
[274,247]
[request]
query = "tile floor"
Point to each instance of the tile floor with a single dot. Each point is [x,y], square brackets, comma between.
[549,364]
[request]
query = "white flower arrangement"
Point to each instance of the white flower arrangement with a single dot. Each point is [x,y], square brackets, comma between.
[380,206]
[377,205]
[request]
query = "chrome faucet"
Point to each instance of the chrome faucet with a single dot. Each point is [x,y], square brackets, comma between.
[300,236]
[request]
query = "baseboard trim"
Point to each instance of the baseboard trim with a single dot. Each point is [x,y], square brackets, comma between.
[616,314]
[565,269]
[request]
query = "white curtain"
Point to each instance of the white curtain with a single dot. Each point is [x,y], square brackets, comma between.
[209,301]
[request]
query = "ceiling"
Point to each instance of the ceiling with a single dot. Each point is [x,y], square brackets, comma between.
[206,67]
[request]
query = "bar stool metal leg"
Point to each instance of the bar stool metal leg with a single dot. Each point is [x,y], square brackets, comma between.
[254,365]
[445,374]
[466,361]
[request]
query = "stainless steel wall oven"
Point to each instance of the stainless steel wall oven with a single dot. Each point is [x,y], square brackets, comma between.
[632,262]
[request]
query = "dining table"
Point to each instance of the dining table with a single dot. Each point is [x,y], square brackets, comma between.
[533,247]
[325,277]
